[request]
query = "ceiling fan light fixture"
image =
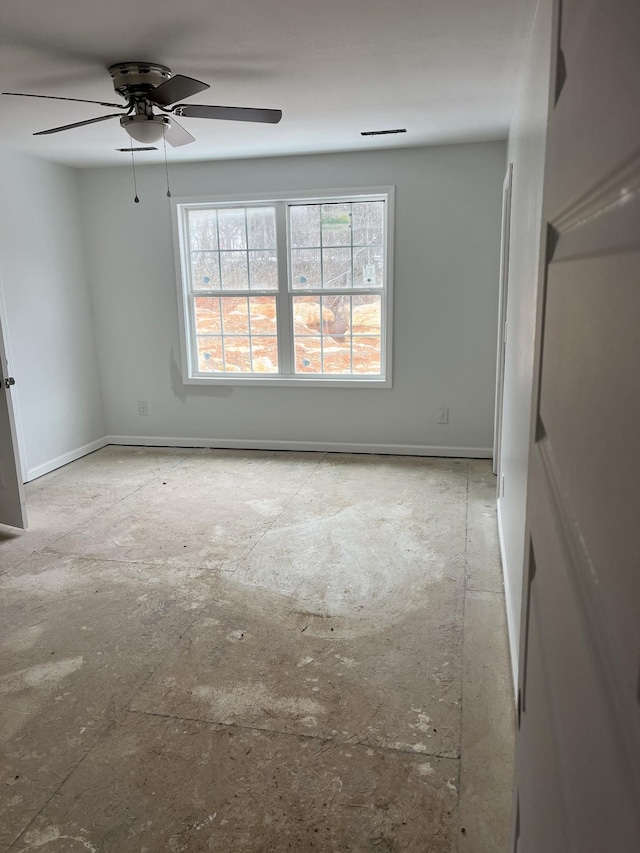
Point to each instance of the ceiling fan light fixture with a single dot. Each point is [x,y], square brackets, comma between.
[145,128]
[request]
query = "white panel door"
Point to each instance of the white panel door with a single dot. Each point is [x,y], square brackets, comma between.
[12,508]
[578,748]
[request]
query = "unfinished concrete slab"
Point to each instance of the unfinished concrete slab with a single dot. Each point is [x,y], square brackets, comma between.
[122,465]
[56,509]
[76,640]
[397,688]
[488,727]
[364,537]
[207,514]
[279,640]
[483,549]
[155,784]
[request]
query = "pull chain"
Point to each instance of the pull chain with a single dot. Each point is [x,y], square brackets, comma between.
[166,166]
[135,186]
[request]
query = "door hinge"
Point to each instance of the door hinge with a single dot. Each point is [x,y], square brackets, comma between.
[552,242]
[561,63]
[561,75]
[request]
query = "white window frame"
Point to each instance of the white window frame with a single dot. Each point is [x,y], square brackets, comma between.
[283,302]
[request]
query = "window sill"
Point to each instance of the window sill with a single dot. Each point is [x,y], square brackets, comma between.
[290,382]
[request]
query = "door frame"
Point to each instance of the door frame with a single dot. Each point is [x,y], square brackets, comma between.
[505,244]
[20,449]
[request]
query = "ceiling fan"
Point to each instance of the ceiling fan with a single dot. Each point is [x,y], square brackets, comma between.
[147,86]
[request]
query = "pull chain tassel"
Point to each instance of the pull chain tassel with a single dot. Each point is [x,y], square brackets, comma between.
[166,166]
[135,185]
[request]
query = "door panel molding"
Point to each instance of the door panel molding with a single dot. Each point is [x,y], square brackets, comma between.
[598,629]
[617,188]
[609,230]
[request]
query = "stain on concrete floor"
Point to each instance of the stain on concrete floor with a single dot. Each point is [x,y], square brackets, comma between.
[254,651]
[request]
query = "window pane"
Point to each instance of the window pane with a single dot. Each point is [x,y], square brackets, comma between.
[366,324]
[337,354]
[232,228]
[235,315]
[368,219]
[366,355]
[205,273]
[305,269]
[304,220]
[264,351]
[210,354]
[235,275]
[336,267]
[224,322]
[207,314]
[306,315]
[263,315]
[336,314]
[237,354]
[263,270]
[261,227]
[335,220]
[366,315]
[368,267]
[203,230]
[338,334]
[308,355]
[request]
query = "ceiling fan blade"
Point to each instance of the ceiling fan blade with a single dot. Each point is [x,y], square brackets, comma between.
[60,98]
[175,89]
[176,135]
[228,113]
[76,124]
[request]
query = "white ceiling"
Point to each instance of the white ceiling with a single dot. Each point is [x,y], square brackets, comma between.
[447,70]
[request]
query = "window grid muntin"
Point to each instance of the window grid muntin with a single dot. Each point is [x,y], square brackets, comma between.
[351,245]
[219,251]
[250,333]
[283,295]
[321,335]
[380,290]
[222,293]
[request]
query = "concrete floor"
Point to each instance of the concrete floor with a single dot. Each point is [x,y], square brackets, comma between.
[250,651]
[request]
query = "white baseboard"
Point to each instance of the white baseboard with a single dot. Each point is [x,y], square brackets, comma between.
[59,461]
[322,446]
[511,620]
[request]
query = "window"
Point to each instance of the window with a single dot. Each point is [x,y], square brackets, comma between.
[286,290]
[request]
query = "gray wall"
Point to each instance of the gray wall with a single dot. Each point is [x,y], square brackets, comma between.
[446,275]
[49,316]
[526,150]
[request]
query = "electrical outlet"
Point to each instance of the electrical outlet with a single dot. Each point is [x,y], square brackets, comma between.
[443,416]
[143,407]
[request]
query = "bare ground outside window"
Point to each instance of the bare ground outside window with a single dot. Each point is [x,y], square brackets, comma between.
[334,334]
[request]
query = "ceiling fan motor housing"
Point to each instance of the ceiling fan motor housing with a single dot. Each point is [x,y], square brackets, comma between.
[135,79]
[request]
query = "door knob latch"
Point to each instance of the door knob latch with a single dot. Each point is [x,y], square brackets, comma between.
[9,381]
